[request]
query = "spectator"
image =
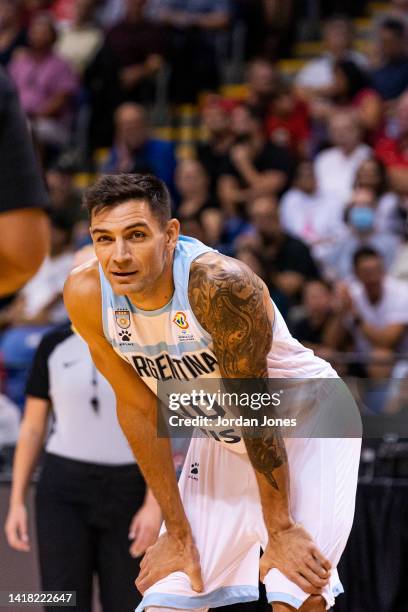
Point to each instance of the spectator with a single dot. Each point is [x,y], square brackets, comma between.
[263,80]
[134,150]
[12,32]
[311,217]
[192,184]
[123,69]
[46,85]
[389,215]
[352,89]
[136,46]
[362,232]
[216,122]
[212,221]
[287,124]
[393,150]
[317,77]
[255,165]
[65,197]
[288,260]
[313,328]
[192,32]
[110,12]
[79,42]
[78,533]
[390,78]
[374,307]
[336,167]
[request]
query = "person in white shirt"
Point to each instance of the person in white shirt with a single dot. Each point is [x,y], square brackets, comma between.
[317,77]
[374,308]
[337,166]
[305,213]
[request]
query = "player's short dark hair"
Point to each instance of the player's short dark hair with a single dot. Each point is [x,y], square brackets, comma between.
[394,25]
[110,190]
[364,252]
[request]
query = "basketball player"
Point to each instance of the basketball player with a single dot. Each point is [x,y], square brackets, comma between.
[129,308]
[22,197]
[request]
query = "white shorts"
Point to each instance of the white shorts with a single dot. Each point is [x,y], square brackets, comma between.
[221,498]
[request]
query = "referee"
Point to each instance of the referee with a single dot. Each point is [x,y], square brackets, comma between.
[91,497]
[24,227]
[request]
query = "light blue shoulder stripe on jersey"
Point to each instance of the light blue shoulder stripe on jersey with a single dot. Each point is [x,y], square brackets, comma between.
[188,250]
[106,293]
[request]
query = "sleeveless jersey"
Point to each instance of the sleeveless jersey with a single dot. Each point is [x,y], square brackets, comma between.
[169,343]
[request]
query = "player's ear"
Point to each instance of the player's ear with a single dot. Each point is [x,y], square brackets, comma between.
[172,232]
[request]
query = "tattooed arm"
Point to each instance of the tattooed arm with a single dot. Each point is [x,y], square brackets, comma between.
[233,305]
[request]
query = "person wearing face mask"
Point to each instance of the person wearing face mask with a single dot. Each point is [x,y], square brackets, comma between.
[361,231]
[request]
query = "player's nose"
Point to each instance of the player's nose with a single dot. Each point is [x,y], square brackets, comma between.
[121,253]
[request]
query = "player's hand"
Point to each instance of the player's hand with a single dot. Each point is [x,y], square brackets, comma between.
[16,528]
[144,528]
[293,552]
[168,555]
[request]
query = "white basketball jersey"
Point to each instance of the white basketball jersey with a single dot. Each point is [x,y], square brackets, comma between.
[169,343]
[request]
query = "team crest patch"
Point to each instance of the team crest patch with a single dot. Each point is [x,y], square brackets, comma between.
[122,318]
[180,320]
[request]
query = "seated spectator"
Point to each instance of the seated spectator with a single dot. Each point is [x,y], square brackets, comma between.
[212,221]
[352,89]
[12,33]
[313,328]
[79,42]
[336,167]
[288,260]
[65,197]
[263,80]
[192,185]
[124,69]
[373,307]
[306,214]
[287,123]
[216,122]
[255,165]
[192,33]
[390,78]
[136,46]
[361,231]
[393,150]
[134,150]
[389,214]
[317,77]
[46,84]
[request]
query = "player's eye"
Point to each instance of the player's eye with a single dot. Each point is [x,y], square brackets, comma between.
[102,239]
[138,235]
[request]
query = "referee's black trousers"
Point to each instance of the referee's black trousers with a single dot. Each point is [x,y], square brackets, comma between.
[83,513]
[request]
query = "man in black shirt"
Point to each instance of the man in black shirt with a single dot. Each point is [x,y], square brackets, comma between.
[255,166]
[288,260]
[23,223]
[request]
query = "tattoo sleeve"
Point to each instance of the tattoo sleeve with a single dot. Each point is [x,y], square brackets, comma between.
[227,299]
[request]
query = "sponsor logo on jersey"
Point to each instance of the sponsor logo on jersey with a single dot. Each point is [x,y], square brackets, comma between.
[180,319]
[122,318]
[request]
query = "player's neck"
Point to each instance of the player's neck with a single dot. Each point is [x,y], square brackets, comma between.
[156,296]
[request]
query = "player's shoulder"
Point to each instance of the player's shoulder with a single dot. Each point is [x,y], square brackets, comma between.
[213,266]
[82,294]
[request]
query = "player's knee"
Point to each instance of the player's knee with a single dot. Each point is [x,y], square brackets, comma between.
[314,603]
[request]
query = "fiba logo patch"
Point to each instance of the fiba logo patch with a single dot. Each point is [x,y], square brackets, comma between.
[180,320]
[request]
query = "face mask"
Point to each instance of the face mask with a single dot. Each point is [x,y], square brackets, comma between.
[362,218]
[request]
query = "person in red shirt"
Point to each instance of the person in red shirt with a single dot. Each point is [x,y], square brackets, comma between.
[287,124]
[393,151]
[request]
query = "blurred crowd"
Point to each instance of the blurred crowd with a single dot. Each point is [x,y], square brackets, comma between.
[280,128]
